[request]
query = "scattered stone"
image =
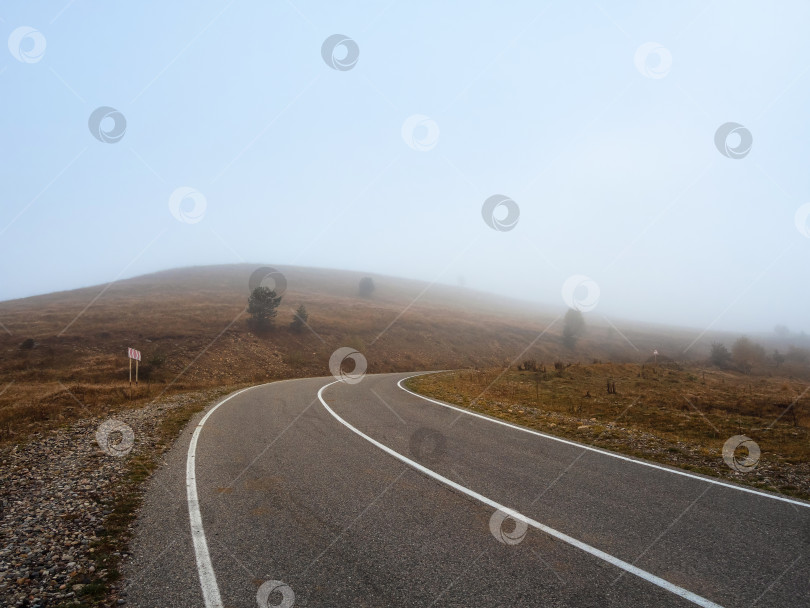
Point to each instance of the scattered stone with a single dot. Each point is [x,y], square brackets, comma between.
[56,490]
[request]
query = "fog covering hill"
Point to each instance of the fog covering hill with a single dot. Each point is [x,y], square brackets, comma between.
[65,352]
[404,325]
[68,349]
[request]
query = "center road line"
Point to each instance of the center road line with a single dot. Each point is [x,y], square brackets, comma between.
[643,574]
[603,452]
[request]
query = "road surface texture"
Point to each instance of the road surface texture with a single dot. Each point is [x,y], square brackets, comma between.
[320,493]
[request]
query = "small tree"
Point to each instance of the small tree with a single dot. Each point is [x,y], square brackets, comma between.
[366,287]
[573,327]
[778,358]
[720,355]
[262,306]
[300,319]
[747,353]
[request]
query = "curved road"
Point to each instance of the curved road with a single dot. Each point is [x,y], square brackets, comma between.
[368,495]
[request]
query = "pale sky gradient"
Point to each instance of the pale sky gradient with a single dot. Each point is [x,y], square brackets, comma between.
[616,174]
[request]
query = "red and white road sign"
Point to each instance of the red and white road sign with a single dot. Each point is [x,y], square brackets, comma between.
[134,354]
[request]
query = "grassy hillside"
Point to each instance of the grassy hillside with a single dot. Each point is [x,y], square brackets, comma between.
[63,355]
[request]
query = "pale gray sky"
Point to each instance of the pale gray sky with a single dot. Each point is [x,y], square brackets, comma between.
[597,119]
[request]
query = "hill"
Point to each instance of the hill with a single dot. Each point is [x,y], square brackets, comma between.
[64,353]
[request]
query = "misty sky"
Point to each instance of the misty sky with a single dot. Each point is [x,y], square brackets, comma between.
[607,147]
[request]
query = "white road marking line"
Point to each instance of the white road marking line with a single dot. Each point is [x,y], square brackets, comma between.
[643,574]
[604,452]
[205,570]
[208,580]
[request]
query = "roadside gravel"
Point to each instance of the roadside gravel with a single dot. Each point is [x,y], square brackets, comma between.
[58,494]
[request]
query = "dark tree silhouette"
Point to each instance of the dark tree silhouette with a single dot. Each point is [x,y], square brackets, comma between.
[262,306]
[573,327]
[300,319]
[747,353]
[366,287]
[719,356]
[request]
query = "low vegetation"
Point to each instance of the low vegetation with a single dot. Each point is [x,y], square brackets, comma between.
[678,415]
[117,527]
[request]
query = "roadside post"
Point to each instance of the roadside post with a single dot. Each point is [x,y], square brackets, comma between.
[136,355]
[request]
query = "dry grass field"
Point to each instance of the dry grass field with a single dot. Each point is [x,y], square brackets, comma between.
[63,359]
[675,414]
[63,355]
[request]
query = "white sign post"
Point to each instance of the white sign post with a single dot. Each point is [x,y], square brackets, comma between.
[655,356]
[133,354]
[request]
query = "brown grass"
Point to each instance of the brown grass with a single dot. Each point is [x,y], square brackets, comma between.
[194,318]
[680,416]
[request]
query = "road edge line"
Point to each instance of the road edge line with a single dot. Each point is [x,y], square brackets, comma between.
[600,451]
[205,569]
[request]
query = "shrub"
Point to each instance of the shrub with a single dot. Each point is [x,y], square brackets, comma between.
[366,287]
[720,355]
[747,353]
[156,360]
[529,365]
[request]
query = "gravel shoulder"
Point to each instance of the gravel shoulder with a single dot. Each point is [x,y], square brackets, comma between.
[68,502]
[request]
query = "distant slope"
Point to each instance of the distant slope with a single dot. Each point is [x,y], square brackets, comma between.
[192,328]
[177,313]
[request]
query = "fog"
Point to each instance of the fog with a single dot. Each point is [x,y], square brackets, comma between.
[243,132]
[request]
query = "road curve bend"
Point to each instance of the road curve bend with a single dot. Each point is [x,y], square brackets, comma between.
[320,493]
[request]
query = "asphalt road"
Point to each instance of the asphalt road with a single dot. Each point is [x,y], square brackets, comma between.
[407,508]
